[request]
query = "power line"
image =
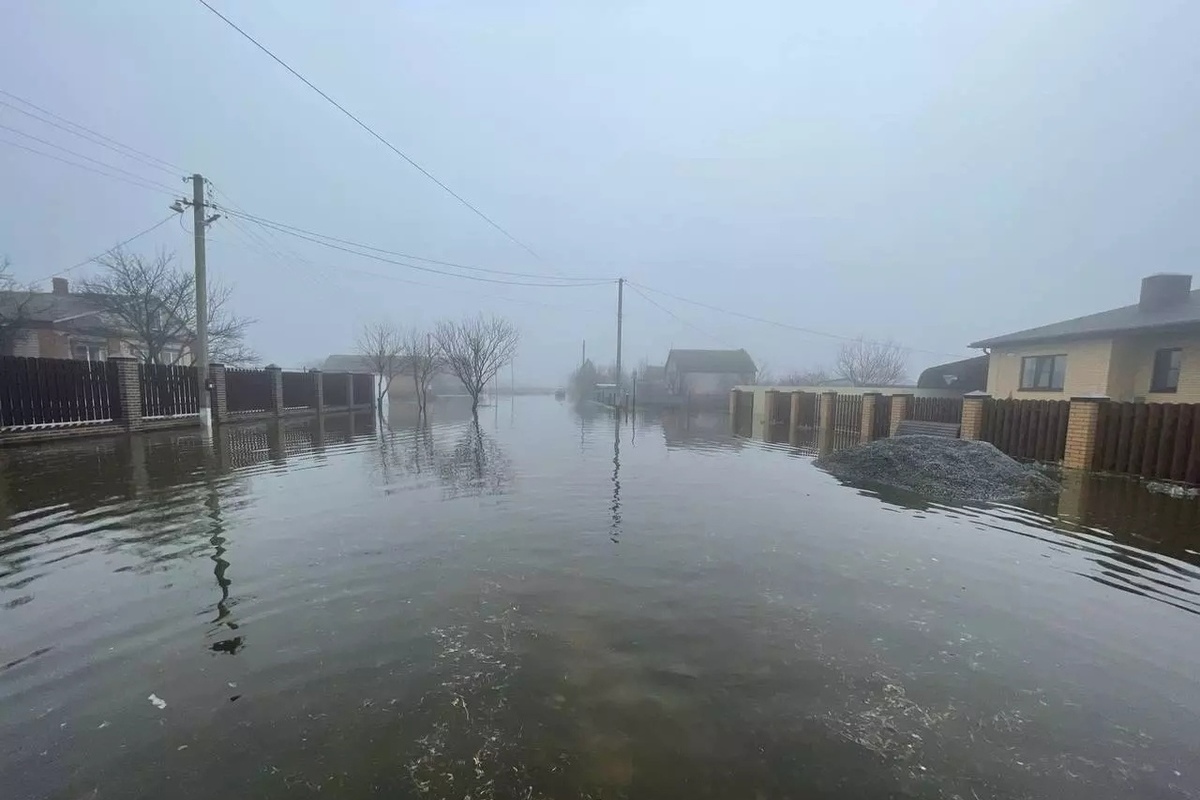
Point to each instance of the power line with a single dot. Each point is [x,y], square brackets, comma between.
[673,315]
[293,232]
[778,324]
[112,144]
[408,281]
[69,152]
[292,228]
[371,131]
[120,244]
[146,185]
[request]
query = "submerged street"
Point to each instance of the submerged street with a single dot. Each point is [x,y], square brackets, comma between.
[556,604]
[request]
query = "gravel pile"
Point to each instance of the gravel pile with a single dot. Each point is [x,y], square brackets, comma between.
[939,467]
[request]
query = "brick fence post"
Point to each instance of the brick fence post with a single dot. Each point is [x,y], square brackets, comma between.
[867,425]
[350,389]
[220,402]
[899,411]
[129,393]
[733,403]
[794,419]
[319,390]
[1081,431]
[825,421]
[276,377]
[974,407]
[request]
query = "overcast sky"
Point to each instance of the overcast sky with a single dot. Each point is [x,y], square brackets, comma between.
[930,172]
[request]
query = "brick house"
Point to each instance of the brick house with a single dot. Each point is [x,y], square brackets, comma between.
[1149,350]
[59,324]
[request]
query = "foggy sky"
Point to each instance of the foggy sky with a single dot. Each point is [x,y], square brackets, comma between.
[931,172]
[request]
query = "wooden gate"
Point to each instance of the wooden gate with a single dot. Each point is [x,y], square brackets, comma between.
[743,414]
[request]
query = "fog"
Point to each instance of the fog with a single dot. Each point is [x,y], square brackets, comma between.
[932,173]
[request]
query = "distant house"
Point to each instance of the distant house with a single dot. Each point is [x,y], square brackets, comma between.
[402,388]
[708,372]
[1149,350]
[59,324]
[967,375]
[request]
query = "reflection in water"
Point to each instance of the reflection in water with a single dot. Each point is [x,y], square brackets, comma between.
[423,609]
[615,530]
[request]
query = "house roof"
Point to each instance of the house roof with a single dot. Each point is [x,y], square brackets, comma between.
[718,361]
[347,363]
[1127,319]
[968,375]
[49,307]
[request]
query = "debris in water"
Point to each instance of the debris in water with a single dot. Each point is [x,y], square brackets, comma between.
[939,467]
[157,701]
[1173,490]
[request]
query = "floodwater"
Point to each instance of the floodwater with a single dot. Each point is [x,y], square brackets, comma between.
[560,606]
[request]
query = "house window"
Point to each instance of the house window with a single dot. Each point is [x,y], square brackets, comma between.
[1043,373]
[1166,369]
[82,351]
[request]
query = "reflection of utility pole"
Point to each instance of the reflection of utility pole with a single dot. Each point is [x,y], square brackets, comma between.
[615,533]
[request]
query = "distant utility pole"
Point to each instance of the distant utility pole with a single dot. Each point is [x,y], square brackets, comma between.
[583,355]
[200,356]
[620,312]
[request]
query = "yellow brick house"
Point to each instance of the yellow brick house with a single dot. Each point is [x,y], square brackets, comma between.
[1146,351]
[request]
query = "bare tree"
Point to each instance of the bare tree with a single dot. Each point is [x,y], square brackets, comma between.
[475,349]
[154,303]
[422,360]
[15,307]
[813,376]
[382,348]
[868,363]
[764,376]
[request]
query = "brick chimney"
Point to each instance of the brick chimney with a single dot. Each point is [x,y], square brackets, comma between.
[61,286]
[1164,290]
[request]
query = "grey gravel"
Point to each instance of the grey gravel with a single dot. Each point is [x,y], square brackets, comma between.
[940,468]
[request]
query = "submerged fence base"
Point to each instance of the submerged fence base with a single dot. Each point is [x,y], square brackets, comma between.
[1149,440]
[47,399]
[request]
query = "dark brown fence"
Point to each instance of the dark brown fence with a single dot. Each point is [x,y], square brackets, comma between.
[935,409]
[743,414]
[847,420]
[334,384]
[779,415]
[168,390]
[52,391]
[299,390]
[364,389]
[1154,440]
[881,423]
[248,390]
[1033,429]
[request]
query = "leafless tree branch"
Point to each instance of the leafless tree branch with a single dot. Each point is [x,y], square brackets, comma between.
[422,360]
[475,349]
[154,303]
[381,346]
[868,363]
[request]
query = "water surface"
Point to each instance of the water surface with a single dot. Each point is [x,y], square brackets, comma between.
[556,605]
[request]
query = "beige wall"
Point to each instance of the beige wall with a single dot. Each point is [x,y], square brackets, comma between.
[1087,369]
[1120,369]
[1138,366]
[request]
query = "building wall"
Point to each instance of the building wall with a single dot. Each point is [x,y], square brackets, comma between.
[711,382]
[1087,369]
[1134,369]
[26,344]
